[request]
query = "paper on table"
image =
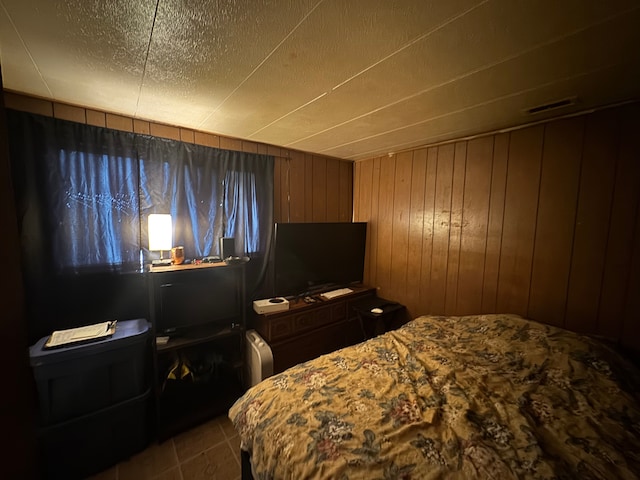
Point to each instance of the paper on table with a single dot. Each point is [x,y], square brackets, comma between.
[80,334]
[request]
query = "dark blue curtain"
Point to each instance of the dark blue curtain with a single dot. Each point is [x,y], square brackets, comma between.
[210,193]
[77,194]
[94,208]
[83,195]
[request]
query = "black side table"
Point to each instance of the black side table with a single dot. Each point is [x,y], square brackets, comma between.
[371,323]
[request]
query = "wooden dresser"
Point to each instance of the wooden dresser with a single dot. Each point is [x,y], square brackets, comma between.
[308,330]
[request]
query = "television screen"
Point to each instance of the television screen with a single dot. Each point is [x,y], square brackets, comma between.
[310,256]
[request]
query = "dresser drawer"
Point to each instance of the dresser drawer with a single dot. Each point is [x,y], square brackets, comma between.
[280,328]
[312,319]
[339,311]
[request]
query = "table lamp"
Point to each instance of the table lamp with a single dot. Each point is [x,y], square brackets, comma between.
[160,236]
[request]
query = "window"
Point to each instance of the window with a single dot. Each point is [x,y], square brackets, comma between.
[95,208]
[87,192]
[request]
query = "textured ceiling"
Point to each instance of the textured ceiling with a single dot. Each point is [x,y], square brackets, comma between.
[346,78]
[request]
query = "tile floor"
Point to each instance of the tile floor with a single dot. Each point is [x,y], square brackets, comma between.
[211,451]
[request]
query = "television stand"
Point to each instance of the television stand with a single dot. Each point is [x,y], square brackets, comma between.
[308,330]
[199,370]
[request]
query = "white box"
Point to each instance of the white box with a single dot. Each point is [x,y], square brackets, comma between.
[270,305]
[258,360]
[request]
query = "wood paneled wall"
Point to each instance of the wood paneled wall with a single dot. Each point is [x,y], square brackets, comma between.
[541,221]
[307,187]
[310,188]
[18,409]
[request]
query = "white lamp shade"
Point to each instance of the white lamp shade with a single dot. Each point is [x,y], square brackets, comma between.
[160,233]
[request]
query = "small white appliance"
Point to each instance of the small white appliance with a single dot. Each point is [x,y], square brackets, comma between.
[258,360]
[270,305]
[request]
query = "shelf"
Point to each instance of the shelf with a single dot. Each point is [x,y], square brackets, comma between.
[189,266]
[203,306]
[198,336]
[184,405]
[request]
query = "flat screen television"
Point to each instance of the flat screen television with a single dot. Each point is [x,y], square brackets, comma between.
[311,256]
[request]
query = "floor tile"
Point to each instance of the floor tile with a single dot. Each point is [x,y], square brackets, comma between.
[198,439]
[172,474]
[217,463]
[156,459]
[211,451]
[227,426]
[234,443]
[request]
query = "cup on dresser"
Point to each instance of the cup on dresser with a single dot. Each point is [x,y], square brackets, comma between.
[177,255]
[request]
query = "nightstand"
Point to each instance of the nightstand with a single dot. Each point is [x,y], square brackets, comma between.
[371,323]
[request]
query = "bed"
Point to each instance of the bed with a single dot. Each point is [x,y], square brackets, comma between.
[482,396]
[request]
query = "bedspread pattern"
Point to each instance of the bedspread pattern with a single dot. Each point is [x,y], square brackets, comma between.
[485,396]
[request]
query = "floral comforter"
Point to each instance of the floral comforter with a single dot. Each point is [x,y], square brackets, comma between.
[485,396]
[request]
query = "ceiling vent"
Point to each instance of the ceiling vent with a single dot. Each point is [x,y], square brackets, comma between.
[565,102]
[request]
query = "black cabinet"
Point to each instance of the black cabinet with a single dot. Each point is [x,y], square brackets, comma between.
[199,370]
[377,315]
[93,401]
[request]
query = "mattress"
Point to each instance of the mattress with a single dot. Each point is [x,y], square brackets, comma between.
[482,396]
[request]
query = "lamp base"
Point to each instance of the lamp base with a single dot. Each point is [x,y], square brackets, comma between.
[161,262]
